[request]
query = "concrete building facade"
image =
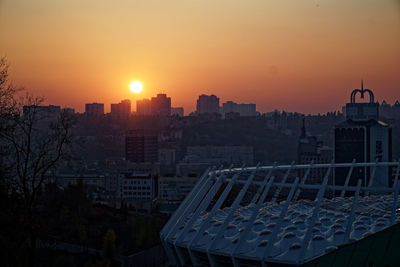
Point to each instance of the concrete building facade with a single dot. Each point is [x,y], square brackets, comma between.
[141,146]
[364,138]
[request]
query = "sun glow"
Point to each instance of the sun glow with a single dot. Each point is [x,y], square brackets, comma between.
[136,87]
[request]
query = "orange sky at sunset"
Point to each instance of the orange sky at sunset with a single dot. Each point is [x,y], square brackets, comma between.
[296,55]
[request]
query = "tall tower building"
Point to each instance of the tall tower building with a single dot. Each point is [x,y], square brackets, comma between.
[207,104]
[94,109]
[310,149]
[122,109]
[363,138]
[161,105]
[143,107]
[141,146]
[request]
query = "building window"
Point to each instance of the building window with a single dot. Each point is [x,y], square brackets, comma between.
[378,151]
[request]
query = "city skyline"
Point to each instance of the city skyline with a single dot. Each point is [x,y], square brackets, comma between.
[276,53]
[133,106]
[199,133]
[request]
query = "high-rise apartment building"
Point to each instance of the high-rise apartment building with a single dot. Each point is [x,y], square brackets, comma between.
[122,109]
[157,106]
[141,146]
[207,104]
[143,107]
[161,105]
[94,109]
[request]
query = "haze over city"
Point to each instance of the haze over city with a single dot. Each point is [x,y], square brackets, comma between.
[76,52]
[199,133]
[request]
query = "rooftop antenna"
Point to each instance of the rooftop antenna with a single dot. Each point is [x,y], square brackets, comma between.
[362,88]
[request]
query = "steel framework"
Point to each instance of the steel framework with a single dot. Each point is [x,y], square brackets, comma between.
[268,214]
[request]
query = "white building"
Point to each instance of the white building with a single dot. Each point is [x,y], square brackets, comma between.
[137,186]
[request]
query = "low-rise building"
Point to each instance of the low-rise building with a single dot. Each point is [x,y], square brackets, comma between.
[244,110]
[175,189]
[92,179]
[236,155]
[177,111]
[137,186]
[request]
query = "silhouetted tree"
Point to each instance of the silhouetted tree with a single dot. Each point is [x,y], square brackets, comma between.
[7,93]
[33,142]
[109,247]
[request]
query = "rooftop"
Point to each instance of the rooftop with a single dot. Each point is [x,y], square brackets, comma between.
[261,214]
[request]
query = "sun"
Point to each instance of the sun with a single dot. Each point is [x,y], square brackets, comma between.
[136,87]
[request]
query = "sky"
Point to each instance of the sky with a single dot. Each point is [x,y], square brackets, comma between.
[292,55]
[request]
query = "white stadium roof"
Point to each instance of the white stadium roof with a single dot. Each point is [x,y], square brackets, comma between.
[270,215]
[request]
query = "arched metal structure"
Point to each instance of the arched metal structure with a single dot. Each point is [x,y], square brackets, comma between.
[362,91]
[272,215]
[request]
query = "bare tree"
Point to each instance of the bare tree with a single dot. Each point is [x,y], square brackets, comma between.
[34,140]
[7,90]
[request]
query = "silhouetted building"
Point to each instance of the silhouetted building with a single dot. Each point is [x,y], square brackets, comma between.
[388,111]
[122,109]
[167,156]
[90,178]
[310,149]
[207,104]
[94,109]
[161,105]
[232,115]
[177,112]
[244,110]
[42,111]
[143,107]
[69,111]
[364,138]
[141,146]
